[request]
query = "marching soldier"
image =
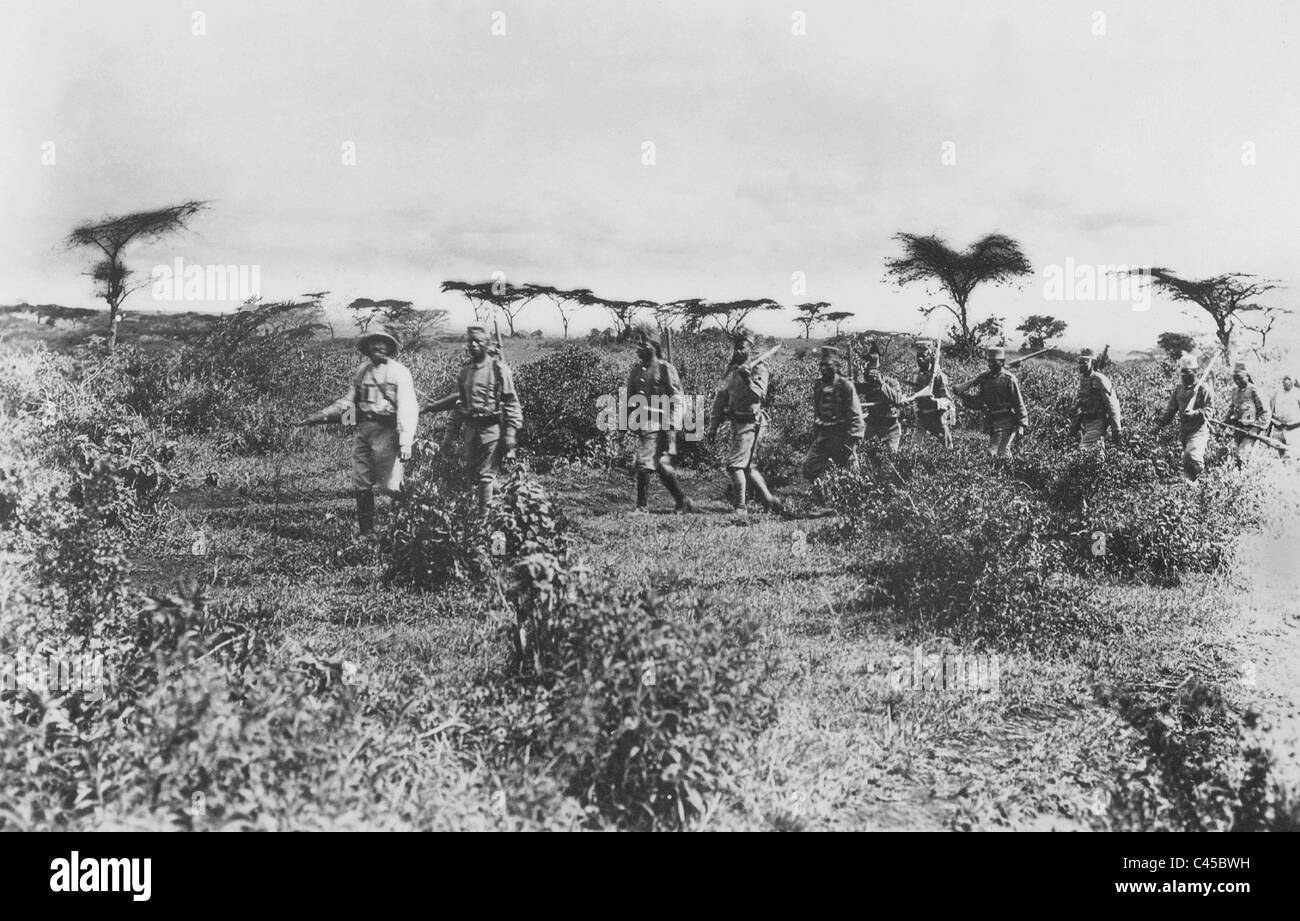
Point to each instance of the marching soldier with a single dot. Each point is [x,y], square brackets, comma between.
[1191,402]
[837,419]
[1005,415]
[1096,408]
[1246,412]
[486,408]
[934,411]
[882,398]
[382,399]
[1284,409]
[739,401]
[656,382]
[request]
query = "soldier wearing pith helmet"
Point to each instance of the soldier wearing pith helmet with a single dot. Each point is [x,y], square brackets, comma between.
[837,418]
[1192,402]
[935,412]
[381,400]
[1096,408]
[1005,415]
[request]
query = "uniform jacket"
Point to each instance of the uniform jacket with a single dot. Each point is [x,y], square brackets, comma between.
[1000,395]
[882,401]
[740,399]
[836,406]
[1285,407]
[483,391]
[1096,399]
[659,379]
[383,390]
[1246,407]
[938,382]
[1197,398]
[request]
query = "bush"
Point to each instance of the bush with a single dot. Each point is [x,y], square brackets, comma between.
[641,717]
[559,393]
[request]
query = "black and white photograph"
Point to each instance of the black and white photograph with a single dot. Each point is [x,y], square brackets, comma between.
[562,415]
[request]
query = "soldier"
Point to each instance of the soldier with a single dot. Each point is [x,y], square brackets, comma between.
[882,399]
[1191,402]
[1285,411]
[1246,412]
[1005,415]
[657,384]
[837,419]
[935,411]
[1096,408]
[382,399]
[486,408]
[739,401]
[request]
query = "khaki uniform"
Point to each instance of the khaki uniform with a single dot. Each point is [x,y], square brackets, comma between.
[1194,432]
[1284,408]
[485,396]
[1096,409]
[1247,412]
[382,399]
[936,413]
[838,426]
[1004,410]
[883,402]
[655,419]
[739,401]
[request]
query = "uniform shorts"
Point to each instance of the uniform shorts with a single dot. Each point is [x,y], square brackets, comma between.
[1194,445]
[650,446]
[480,438]
[1093,436]
[743,451]
[376,457]
[828,448]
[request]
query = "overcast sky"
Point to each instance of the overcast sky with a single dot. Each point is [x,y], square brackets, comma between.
[774,153]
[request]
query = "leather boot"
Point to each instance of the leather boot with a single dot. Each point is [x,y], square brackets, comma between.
[642,489]
[669,478]
[366,511]
[485,491]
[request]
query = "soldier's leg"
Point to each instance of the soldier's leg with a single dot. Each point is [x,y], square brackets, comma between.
[1092,438]
[487,466]
[363,482]
[668,475]
[1005,440]
[893,438]
[738,455]
[817,459]
[1194,453]
[387,460]
[737,487]
[770,502]
[642,467]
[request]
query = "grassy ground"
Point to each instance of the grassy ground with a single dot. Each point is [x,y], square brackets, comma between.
[848,751]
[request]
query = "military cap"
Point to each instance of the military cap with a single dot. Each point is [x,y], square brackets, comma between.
[1087,353]
[1187,363]
[1239,368]
[925,345]
[379,333]
[829,353]
[477,332]
[743,334]
[996,351]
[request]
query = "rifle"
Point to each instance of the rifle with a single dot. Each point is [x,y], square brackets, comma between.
[666,344]
[496,332]
[756,361]
[1271,442]
[1015,361]
[852,366]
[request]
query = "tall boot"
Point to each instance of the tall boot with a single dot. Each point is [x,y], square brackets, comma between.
[668,476]
[770,502]
[737,489]
[485,490]
[642,489]
[366,511]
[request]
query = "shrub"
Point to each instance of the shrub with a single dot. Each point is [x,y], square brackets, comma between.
[643,718]
[559,393]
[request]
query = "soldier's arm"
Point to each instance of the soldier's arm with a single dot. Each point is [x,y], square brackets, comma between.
[442,404]
[336,410]
[1018,401]
[1171,409]
[719,409]
[857,424]
[757,380]
[1112,406]
[1262,414]
[676,399]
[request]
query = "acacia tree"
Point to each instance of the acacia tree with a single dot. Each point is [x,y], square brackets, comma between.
[1228,299]
[837,317]
[477,293]
[112,235]
[674,312]
[566,302]
[993,258]
[623,312]
[728,315]
[1039,329]
[410,325]
[811,313]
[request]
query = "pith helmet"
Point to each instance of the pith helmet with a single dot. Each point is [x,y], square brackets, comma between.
[1087,353]
[925,345]
[381,334]
[996,351]
[1239,368]
[1187,363]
